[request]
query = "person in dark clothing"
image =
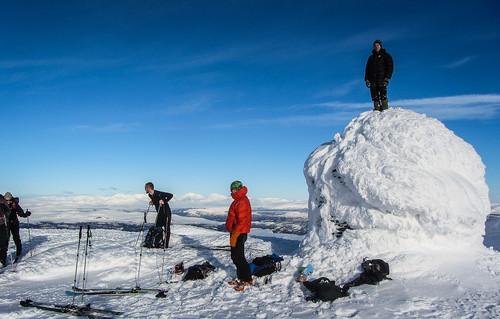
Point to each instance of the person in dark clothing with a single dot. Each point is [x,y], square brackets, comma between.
[4,230]
[238,223]
[378,72]
[13,222]
[160,201]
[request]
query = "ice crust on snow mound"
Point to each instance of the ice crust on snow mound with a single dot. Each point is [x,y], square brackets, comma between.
[401,172]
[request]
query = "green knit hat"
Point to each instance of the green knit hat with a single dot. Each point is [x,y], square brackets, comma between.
[237,185]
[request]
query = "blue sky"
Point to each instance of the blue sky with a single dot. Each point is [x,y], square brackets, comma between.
[99,97]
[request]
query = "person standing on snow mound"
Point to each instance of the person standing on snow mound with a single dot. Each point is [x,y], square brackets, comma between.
[13,222]
[160,200]
[238,223]
[378,72]
[4,231]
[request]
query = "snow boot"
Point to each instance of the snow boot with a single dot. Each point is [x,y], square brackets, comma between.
[385,105]
[233,283]
[376,106]
[243,284]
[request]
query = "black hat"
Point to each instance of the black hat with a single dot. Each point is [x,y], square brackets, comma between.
[378,41]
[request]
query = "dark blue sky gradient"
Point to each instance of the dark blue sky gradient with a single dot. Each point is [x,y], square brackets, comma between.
[102,96]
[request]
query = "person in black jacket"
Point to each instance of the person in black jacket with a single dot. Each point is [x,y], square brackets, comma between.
[4,230]
[160,200]
[378,72]
[13,222]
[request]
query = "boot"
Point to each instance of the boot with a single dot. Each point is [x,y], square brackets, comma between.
[385,105]
[376,106]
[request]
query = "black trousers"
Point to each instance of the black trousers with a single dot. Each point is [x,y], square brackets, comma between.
[378,91]
[164,219]
[243,271]
[14,230]
[4,241]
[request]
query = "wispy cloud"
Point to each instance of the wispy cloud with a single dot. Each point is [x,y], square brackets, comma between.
[108,128]
[342,89]
[460,107]
[189,105]
[60,62]
[459,63]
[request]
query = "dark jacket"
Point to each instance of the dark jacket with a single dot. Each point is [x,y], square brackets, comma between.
[4,210]
[239,217]
[379,66]
[155,198]
[15,209]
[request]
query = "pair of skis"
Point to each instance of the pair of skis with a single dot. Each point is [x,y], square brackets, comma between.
[111,292]
[73,310]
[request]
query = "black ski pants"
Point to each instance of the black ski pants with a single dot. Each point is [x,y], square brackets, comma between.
[14,230]
[163,220]
[243,271]
[4,241]
[378,91]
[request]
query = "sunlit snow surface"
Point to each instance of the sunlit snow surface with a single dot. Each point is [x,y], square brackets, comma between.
[439,266]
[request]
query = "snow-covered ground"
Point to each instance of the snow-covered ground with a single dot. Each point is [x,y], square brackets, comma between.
[113,260]
[402,186]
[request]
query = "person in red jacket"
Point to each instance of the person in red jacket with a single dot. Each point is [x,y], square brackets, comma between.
[238,223]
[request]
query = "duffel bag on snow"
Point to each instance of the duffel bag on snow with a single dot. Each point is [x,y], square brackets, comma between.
[198,271]
[265,265]
[154,238]
[324,289]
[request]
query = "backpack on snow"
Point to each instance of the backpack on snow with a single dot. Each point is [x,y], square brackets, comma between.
[265,265]
[198,271]
[324,289]
[154,238]
[374,271]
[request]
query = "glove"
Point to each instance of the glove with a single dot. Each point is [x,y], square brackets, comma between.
[234,238]
[28,213]
[367,83]
[386,82]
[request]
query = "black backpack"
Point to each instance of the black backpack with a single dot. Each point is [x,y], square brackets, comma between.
[198,271]
[324,289]
[265,265]
[154,238]
[374,271]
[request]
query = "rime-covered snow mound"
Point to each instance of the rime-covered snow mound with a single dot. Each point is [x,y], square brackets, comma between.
[399,173]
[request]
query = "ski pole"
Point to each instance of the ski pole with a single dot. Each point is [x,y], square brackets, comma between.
[76,267]
[29,233]
[8,241]
[84,280]
[137,279]
[169,220]
[143,223]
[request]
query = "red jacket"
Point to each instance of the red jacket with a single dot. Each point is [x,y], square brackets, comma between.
[239,217]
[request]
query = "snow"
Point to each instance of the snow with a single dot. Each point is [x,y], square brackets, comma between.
[432,239]
[413,194]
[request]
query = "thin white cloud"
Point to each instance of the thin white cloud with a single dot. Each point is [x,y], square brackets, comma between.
[189,106]
[58,62]
[460,107]
[341,90]
[459,63]
[108,128]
